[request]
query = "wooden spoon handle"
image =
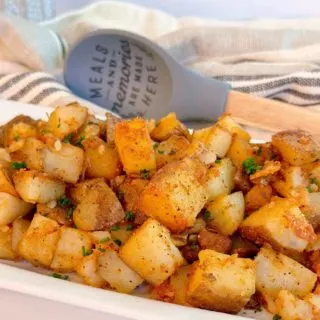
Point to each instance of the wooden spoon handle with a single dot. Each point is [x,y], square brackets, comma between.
[271,115]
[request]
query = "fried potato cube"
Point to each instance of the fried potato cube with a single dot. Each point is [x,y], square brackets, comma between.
[67,119]
[103,241]
[39,242]
[64,162]
[88,269]
[135,146]
[169,126]
[311,209]
[37,187]
[215,139]
[98,209]
[151,253]
[55,212]
[198,149]
[179,192]
[258,196]
[11,208]
[5,158]
[16,133]
[220,178]
[314,300]
[6,251]
[102,159]
[290,307]
[111,122]
[173,149]
[239,151]
[296,147]
[19,228]
[221,282]
[226,122]
[179,282]
[118,274]
[72,246]
[280,223]
[226,213]
[276,271]
[6,184]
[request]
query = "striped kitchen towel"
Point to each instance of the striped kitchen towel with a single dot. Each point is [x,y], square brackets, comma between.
[274,59]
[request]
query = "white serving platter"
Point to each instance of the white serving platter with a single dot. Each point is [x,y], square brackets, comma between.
[23,278]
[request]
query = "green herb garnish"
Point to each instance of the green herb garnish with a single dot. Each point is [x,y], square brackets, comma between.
[129,216]
[79,141]
[68,138]
[18,165]
[250,166]
[64,202]
[309,189]
[115,228]
[85,252]
[129,227]
[145,174]
[194,246]
[206,215]
[17,137]
[69,213]
[59,123]
[218,161]
[105,239]
[60,276]
[276,317]
[118,242]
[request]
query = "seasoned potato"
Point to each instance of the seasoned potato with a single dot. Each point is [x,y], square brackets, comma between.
[102,159]
[135,147]
[72,246]
[215,139]
[221,282]
[55,212]
[198,149]
[290,307]
[226,122]
[258,196]
[178,190]
[39,242]
[6,184]
[36,187]
[179,282]
[117,273]
[220,178]
[311,209]
[103,241]
[12,208]
[67,119]
[276,272]
[296,147]
[6,251]
[16,133]
[5,158]
[111,122]
[151,253]
[280,223]
[226,213]
[169,126]
[19,228]
[314,300]
[173,149]
[239,151]
[98,209]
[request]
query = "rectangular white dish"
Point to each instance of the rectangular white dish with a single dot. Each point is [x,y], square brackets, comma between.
[17,276]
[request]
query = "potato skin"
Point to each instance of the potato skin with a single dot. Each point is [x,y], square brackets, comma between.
[179,192]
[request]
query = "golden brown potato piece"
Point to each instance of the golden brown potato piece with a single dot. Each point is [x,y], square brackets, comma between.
[169,126]
[280,223]
[176,194]
[226,122]
[269,168]
[198,149]
[221,282]
[6,184]
[135,147]
[6,251]
[151,253]
[179,281]
[98,209]
[314,300]
[173,149]
[53,211]
[111,122]
[311,209]
[12,208]
[72,246]
[257,197]
[19,228]
[239,151]
[37,187]
[64,162]
[38,244]
[67,119]
[102,159]
[296,147]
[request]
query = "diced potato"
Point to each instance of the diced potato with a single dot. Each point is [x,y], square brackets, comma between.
[311,209]
[103,241]
[98,209]
[55,212]
[280,223]
[268,169]
[151,253]
[6,184]
[226,122]
[276,272]
[5,157]
[220,178]
[296,147]
[88,269]
[239,151]
[179,282]
[67,119]
[179,192]
[226,213]
[16,133]
[6,251]
[258,196]
[215,139]
[79,191]
[198,149]
[39,242]
[72,246]
[173,149]
[19,228]
[102,159]
[314,300]
[221,282]
[122,234]
[111,122]
[290,307]
[169,126]
[12,208]
[36,187]
[117,273]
